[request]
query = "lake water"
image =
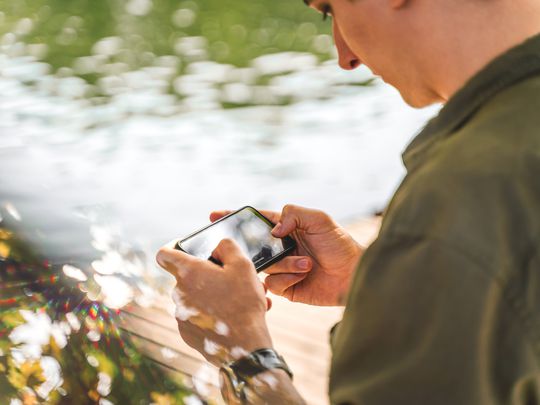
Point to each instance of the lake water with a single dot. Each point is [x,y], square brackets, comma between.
[157,176]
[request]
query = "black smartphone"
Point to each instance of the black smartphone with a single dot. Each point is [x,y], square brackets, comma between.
[250,229]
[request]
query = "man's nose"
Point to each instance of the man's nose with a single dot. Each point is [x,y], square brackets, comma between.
[347,59]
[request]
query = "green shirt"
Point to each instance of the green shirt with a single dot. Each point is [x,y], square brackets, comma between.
[445,305]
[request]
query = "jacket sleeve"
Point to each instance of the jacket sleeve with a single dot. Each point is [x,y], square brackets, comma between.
[425,324]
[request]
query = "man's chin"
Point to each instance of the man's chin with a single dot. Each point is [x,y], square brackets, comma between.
[414,97]
[414,103]
[418,99]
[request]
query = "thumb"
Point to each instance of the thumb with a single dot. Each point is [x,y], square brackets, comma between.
[229,252]
[294,217]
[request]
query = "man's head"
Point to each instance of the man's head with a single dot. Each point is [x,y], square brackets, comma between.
[427,49]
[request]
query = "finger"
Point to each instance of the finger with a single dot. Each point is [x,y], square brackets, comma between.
[176,262]
[215,215]
[310,220]
[291,264]
[279,283]
[273,216]
[228,252]
[268,300]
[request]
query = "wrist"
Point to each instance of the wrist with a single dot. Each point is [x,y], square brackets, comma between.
[252,336]
[261,371]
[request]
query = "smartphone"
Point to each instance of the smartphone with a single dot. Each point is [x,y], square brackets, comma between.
[250,229]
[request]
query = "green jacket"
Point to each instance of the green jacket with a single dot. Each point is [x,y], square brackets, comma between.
[445,305]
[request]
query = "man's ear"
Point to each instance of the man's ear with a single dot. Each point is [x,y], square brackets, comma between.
[396,4]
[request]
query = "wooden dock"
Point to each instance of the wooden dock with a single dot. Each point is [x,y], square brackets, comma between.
[300,334]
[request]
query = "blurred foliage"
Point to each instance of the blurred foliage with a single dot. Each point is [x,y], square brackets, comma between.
[236,30]
[27,284]
[102,42]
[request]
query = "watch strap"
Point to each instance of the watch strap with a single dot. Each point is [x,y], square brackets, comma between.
[257,362]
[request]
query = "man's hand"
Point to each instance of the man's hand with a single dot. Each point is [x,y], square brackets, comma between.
[320,270]
[220,309]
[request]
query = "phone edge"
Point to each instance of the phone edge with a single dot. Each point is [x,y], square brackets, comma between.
[292,243]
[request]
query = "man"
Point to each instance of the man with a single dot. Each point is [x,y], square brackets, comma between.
[444,307]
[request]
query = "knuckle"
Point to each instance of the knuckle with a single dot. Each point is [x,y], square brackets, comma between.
[288,208]
[227,243]
[160,251]
[321,214]
[243,260]
[161,255]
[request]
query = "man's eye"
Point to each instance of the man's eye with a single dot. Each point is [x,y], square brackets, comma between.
[326,11]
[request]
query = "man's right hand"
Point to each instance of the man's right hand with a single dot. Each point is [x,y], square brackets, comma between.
[320,270]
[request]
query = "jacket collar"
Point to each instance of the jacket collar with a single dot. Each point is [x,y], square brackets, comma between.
[511,67]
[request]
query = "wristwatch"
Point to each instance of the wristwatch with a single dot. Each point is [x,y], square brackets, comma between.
[235,375]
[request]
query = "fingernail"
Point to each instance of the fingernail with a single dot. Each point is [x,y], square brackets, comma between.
[303,264]
[277,228]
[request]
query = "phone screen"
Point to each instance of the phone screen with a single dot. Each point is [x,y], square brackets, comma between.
[249,228]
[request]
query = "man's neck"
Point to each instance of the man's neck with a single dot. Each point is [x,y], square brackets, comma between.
[474,44]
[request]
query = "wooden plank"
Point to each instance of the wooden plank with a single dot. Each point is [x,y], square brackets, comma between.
[286,327]
[153,340]
[301,353]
